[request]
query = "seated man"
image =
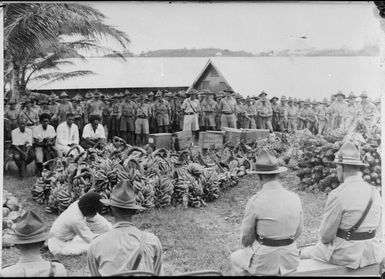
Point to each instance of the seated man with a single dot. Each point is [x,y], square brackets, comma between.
[29,236]
[272,222]
[67,136]
[93,133]
[44,136]
[351,228]
[23,153]
[124,247]
[75,228]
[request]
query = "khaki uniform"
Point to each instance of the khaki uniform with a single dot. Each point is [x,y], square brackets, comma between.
[274,213]
[311,119]
[114,120]
[275,119]
[337,110]
[344,207]
[240,115]
[142,111]
[283,120]
[31,116]
[321,113]
[292,114]
[208,110]
[229,111]
[302,117]
[126,115]
[249,119]
[162,110]
[179,115]
[62,110]
[191,108]
[265,113]
[94,107]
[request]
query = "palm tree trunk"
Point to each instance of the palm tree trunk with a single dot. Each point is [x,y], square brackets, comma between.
[15,81]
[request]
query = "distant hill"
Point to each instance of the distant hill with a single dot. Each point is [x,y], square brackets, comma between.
[201,52]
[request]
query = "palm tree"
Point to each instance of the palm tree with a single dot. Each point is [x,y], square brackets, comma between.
[34,39]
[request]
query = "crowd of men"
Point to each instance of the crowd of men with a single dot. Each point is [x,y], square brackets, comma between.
[350,233]
[41,128]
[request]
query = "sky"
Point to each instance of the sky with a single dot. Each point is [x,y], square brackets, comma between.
[252,27]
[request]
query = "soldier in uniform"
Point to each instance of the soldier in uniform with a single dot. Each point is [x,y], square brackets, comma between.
[265,112]
[250,112]
[142,112]
[34,105]
[53,105]
[302,114]
[95,106]
[292,115]
[282,112]
[228,109]
[209,107]
[127,121]
[162,112]
[367,110]
[114,120]
[271,225]
[240,112]
[350,233]
[45,107]
[107,110]
[171,100]
[337,110]
[63,108]
[179,114]
[321,113]
[312,119]
[12,114]
[78,112]
[218,113]
[191,108]
[275,117]
[31,116]
[350,114]
[152,120]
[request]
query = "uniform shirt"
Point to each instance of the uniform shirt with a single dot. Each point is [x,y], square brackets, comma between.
[162,107]
[282,110]
[31,116]
[338,108]
[40,134]
[52,108]
[12,115]
[142,110]
[33,266]
[67,135]
[367,110]
[264,108]
[88,132]
[45,109]
[115,108]
[344,207]
[190,106]
[19,138]
[115,251]
[37,109]
[249,110]
[275,108]
[228,105]
[321,112]
[127,109]
[268,216]
[78,110]
[208,105]
[72,223]
[62,110]
[95,107]
[292,112]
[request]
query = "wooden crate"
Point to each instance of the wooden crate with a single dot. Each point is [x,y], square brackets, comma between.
[161,140]
[209,138]
[183,140]
[232,136]
[252,135]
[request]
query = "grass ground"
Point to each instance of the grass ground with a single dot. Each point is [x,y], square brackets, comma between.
[192,239]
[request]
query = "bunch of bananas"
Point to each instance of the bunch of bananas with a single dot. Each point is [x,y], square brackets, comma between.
[59,199]
[210,184]
[164,188]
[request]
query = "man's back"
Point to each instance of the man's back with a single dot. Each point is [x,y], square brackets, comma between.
[116,251]
[36,267]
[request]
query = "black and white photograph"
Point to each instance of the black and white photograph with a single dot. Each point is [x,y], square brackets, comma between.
[192,138]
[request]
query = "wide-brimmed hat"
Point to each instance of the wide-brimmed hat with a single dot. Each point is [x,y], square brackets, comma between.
[274,98]
[238,96]
[123,196]
[77,97]
[116,95]
[63,95]
[307,101]
[192,92]
[181,94]
[53,96]
[263,93]
[158,94]
[325,101]
[349,155]
[290,100]
[364,95]
[266,163]
[29,229]
[339,93]
[283,98]
[151,94]
[351,96]
[168,94]
[228,91]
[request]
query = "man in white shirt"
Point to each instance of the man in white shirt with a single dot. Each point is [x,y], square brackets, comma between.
[75,228]
[23,153]
[67,136]
[191,107]
[93,133]
[44,139]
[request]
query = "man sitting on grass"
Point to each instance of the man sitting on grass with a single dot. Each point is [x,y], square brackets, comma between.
[93,133]
[124,247]
[351,227]
[272,222]
[30,234]
[23,153]
[75,228]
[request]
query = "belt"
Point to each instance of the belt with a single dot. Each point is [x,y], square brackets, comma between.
[189,113]
[208,112]
[142,116]
[128,116]
[355,235]
[274,242]
[228,113]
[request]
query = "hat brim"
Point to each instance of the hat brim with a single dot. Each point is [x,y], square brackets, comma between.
[109,203]
[279,170]
[16,240]
[352,163]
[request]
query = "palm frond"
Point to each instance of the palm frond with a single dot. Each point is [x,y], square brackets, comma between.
[57,76]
